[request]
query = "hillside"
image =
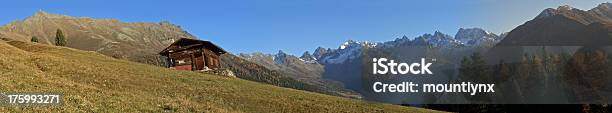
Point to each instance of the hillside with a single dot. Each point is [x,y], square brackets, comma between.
[134,41]
[564,26]
[94,82]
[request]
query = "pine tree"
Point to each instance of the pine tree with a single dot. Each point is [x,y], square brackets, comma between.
[587,73]
[523,71]
[60,40]
[547,60]
[34,39]
[523,68]
[503,71]
[465,71]
[597,69]
[537,67]
[564,60]
[474,69]
[479,68]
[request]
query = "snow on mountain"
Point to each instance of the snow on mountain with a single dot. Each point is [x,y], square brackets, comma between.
[465,37]
[348,50]
[475,37]
[307,58]
[319,52]
[349,43]
[439,39]
[351,49]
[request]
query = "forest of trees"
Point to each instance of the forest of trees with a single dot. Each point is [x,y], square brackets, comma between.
[537,76]
[250,71]
[576,78]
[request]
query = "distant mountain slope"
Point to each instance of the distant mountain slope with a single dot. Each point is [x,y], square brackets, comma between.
[561,30]
[92,82]
[137,41]
[564,26]
[574,41]
[601,13]
[477,37]
[256,71]
[308,72]
[342,69]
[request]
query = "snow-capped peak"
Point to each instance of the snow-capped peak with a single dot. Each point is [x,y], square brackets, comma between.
[348,50]
[475,36]
[348,43]
[353,44]
[472,33]
[438,39]
[307,58]
[369,44]
[465,37]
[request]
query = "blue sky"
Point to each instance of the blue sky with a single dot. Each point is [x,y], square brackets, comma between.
[295,26]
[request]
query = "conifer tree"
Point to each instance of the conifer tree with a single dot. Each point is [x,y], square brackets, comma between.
[60,40]
[34,39]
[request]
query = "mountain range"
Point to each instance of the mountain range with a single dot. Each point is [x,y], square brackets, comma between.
[465,37]
[336,67]
[561,30]
[334,71]
[140,42]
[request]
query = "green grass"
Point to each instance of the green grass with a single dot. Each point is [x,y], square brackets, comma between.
[92,82]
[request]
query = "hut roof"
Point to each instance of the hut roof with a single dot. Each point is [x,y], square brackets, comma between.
[186,43]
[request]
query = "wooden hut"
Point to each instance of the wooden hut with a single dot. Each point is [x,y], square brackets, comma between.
[192,54]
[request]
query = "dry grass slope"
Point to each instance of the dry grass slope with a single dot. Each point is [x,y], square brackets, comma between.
[134,41]
[94,82]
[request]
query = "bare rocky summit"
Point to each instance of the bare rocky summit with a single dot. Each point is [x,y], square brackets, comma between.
[138,41]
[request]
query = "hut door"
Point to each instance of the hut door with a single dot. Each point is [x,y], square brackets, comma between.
[204,61]
[211,62]
[199,63]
